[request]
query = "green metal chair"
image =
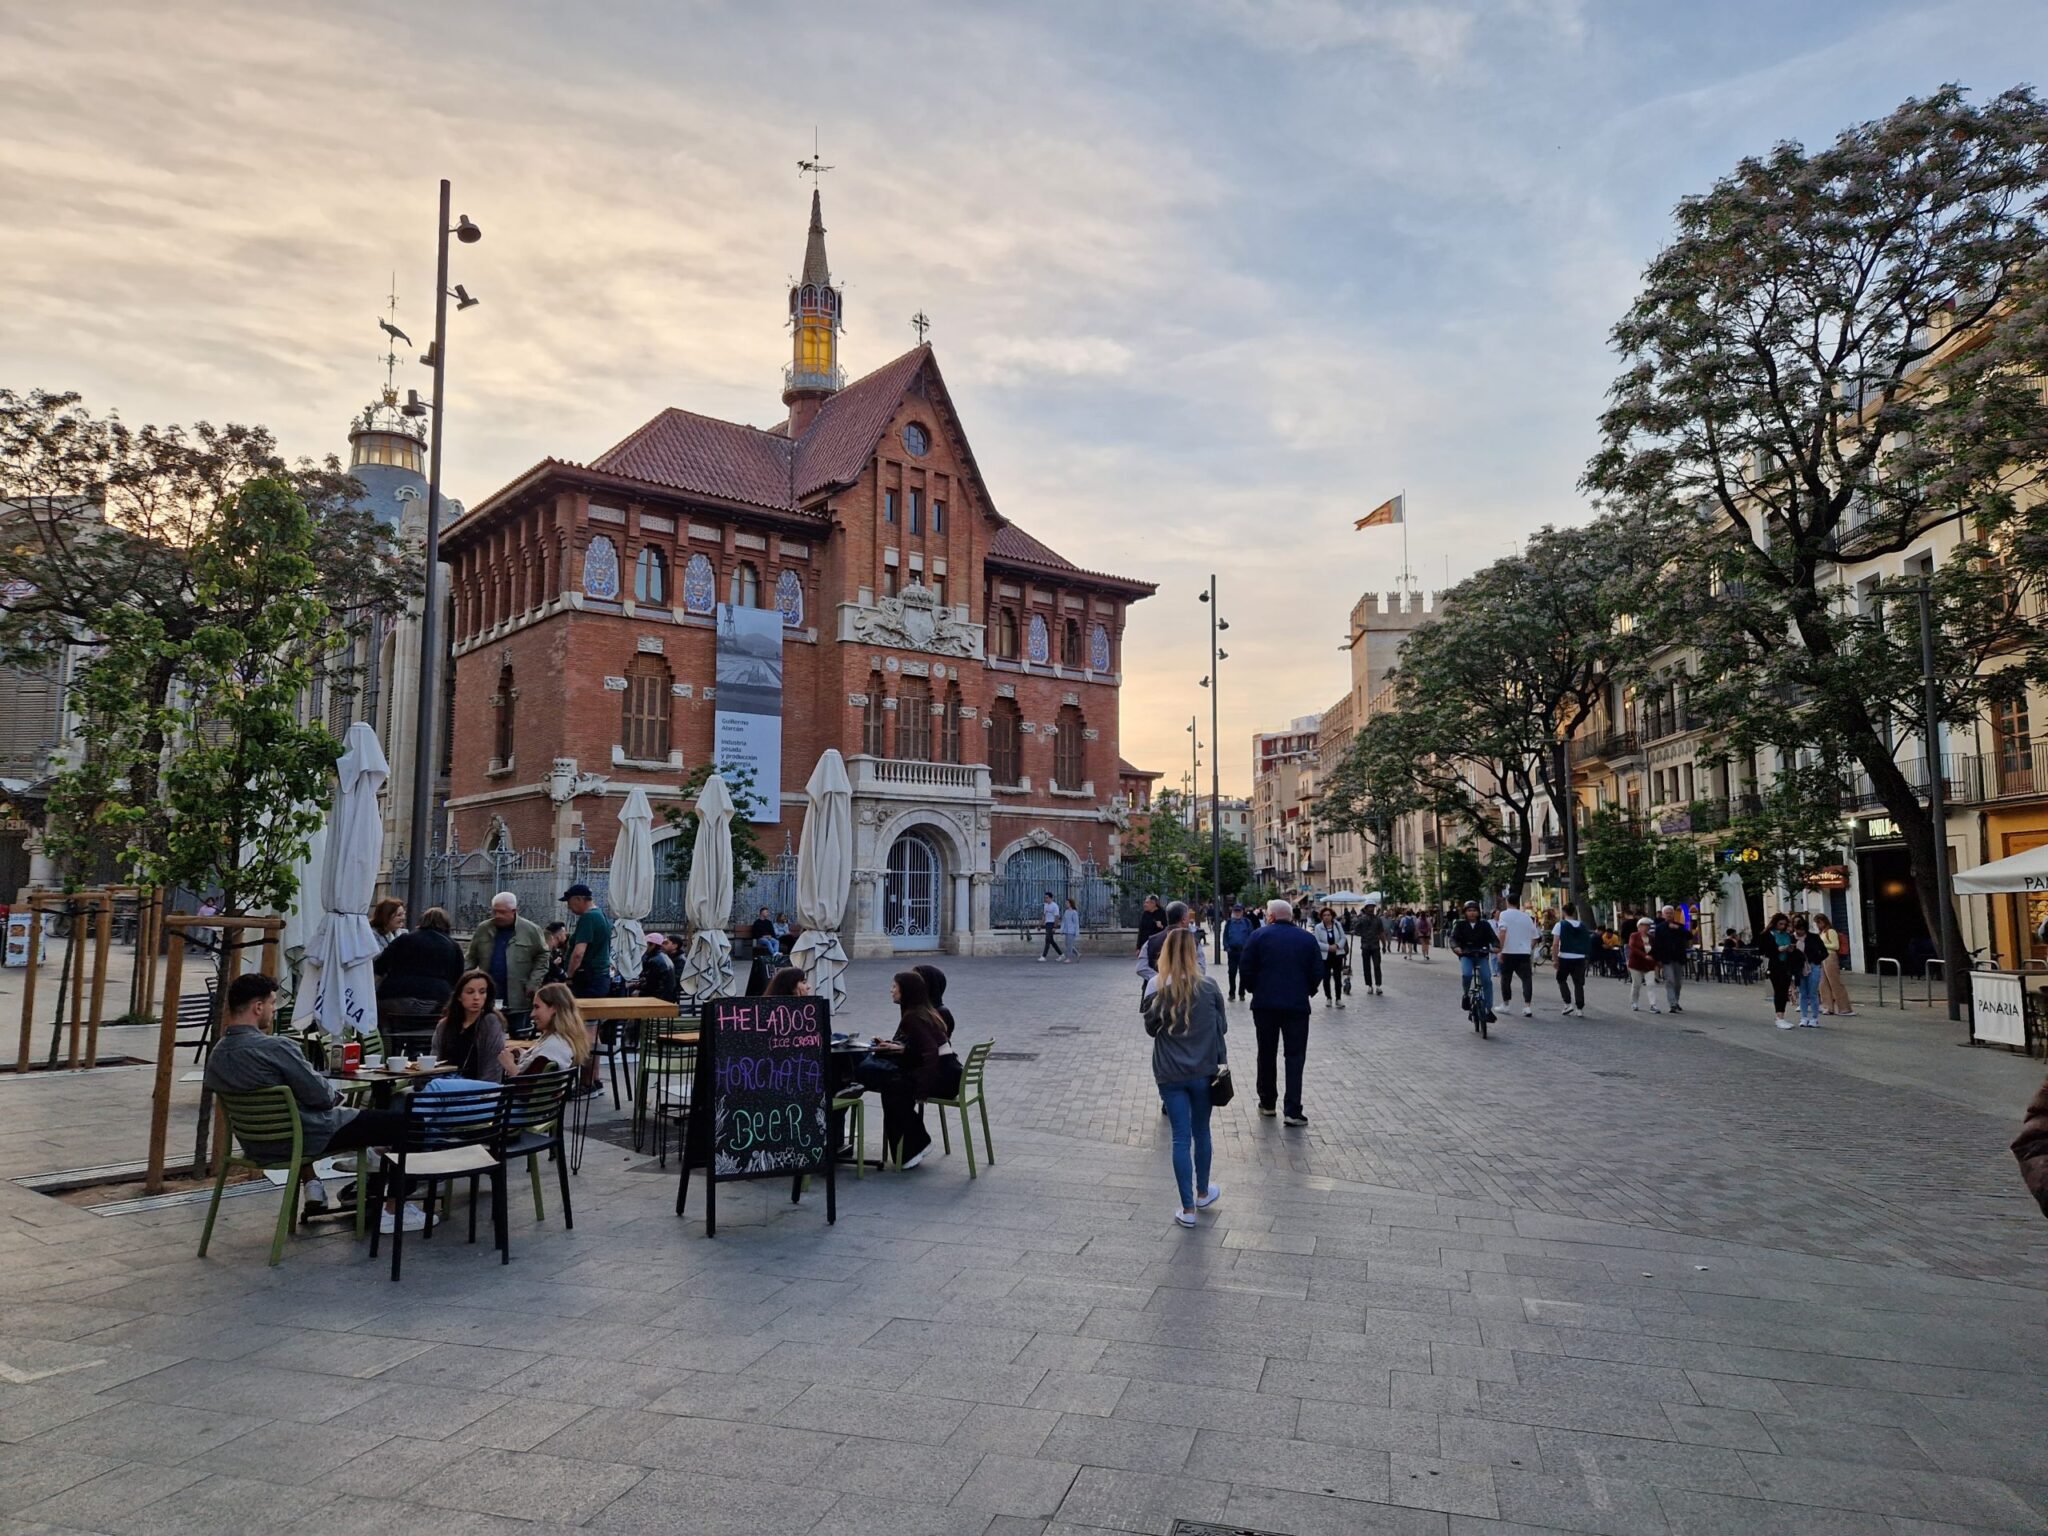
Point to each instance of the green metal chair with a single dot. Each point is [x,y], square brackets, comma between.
[970,1093]
[265,1115]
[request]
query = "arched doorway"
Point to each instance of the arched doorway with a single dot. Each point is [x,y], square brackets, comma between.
[912,890]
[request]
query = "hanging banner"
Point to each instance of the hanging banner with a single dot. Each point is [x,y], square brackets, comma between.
[748,732]
[1998,1009]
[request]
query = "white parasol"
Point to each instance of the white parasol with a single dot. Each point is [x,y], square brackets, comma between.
[632,883]
[707,904]
[2023,874]
[337,986]
[824,873]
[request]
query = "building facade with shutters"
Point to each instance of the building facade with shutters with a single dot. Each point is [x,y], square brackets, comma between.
[969,674]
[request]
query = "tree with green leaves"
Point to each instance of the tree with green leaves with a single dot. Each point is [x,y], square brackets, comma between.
[748,856]
[1394,880]
[105,531]
[1796,830]
[1619,855]
[1515,661]
[1837,359]
[1161,860]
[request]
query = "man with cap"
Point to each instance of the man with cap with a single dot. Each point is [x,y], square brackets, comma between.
[1473,941]
[590,944]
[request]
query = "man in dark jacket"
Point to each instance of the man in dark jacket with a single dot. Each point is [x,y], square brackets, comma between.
[1236,934]
[1670,946]
[1368,933]
[1150,921]
[1281,967]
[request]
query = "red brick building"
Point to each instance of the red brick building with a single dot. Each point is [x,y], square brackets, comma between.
[968,673]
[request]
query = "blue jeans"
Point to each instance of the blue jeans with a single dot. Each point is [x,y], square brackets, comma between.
[1483,965]
[1809,993]
[1187,1110]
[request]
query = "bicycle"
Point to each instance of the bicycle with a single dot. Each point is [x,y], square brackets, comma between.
[1475,1004]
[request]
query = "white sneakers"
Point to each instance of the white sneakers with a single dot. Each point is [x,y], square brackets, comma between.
[415,1220]
[1784,1023]
[915,1159]
[1185,1218]
[1528,1013]
[1215,1194]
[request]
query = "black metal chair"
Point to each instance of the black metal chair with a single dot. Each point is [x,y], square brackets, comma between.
[445,1136]
[536,1111]
[196,1012]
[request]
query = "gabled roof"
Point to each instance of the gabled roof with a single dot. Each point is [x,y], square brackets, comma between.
[1013,546]
[688,452]
[724,460]
[843,435]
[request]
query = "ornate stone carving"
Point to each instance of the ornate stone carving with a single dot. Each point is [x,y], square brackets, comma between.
[649,645]
[914,669]
[856,701]
[1006,690]
[565,783]
[1071,698]
[615,685]
[914,620]
[1039,837]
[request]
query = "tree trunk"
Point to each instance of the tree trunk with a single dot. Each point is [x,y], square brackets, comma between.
[1916,825]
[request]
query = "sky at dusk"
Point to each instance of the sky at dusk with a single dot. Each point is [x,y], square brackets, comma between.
[1207,278]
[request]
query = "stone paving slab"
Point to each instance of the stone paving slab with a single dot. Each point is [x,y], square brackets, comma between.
[1608,1275]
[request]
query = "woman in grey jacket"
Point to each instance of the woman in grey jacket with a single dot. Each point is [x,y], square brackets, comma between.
[1184,1015]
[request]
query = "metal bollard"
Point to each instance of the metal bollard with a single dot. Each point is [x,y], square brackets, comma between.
[1931,964]
[1897,971]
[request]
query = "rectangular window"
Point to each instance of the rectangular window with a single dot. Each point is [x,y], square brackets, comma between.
[888,506]
[917,511]
[938,517]
[888,581]
[938,586]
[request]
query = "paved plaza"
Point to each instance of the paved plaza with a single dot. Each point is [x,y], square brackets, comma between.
[1623,1274]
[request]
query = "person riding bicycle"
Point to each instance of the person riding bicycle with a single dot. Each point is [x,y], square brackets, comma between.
[1474,941]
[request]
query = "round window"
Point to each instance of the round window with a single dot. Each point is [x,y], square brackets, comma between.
[917,440]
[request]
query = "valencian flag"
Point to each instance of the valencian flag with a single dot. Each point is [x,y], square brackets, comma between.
[1386,512]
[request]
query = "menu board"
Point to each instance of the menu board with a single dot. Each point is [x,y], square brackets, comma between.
[761,1105]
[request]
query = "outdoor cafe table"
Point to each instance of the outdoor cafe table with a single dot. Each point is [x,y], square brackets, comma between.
[381,1082]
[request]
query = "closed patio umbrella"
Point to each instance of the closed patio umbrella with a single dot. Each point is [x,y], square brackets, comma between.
[337,987]
[824,872]
[632,883]
[707,903]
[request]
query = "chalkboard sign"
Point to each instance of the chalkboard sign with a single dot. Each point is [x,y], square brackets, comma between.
[761,1106]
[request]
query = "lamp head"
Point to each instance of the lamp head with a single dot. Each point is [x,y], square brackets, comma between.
[1223,623]
[1204,597]
[462,298]
[467,232]
[414,405]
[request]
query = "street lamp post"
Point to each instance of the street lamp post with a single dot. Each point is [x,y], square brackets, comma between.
[430,619]
[1214,683]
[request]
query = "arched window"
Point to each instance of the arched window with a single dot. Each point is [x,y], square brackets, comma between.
[650,577]
[949,726]
[646,710]
[1005,742]
[1070,643]
[601,569]
[501,714]
[745,585]
[874,732]
[1006,634]
[1069,761]
[914,720]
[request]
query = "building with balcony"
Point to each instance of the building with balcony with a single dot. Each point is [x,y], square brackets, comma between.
[969,674]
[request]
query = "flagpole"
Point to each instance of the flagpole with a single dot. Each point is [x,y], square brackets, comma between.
[1407,578]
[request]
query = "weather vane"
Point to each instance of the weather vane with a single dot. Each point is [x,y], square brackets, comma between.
[393,335]
[920,323]
[815,166]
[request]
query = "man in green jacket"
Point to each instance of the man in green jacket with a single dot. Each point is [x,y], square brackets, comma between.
[515,952]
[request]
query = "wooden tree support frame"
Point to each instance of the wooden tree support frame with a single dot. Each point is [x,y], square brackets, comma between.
[231,926]
[96,904]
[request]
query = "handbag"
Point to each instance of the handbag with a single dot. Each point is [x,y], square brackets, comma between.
[1221,1089]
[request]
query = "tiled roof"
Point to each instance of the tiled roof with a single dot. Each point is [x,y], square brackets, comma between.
[836,448]
[1013,544]
[688,452]
[1126,771]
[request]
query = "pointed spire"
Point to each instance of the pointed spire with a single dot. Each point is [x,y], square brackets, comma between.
[816,269]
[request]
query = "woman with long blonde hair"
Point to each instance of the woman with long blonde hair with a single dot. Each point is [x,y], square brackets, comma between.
[1185,1017]
[564,1039]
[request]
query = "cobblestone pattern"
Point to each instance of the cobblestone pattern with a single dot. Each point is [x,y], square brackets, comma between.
[1449,1348]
